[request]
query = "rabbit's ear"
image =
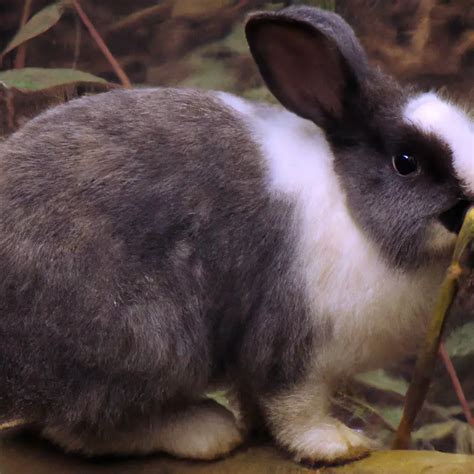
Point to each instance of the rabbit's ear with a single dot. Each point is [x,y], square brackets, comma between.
[310,60]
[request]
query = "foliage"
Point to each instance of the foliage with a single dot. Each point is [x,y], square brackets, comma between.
[32,78]
[459,344]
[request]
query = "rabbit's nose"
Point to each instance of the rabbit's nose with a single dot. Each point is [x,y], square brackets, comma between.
[453,218]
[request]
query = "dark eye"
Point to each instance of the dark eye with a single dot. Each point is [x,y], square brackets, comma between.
[405,165]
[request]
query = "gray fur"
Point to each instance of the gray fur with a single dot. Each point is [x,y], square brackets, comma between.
[142,260]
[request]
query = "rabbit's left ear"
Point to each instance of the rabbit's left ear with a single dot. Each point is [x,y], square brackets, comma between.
[309,58]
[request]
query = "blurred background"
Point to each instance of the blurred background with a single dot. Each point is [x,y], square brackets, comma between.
[200,43]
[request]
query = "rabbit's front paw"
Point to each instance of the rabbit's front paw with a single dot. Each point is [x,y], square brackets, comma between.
[330,442]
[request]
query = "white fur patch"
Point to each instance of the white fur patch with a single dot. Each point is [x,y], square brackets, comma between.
[329,441]
[432,114]
[300,423]
[377,313]
[236,103]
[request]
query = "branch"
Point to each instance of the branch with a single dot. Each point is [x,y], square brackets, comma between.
[150,14]
[456,383]
[103,47]
[427,357]
[20,57]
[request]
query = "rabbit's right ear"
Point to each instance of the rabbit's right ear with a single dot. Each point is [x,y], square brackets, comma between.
[309,58]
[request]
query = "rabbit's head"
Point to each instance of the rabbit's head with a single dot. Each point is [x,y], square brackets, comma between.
[404,160]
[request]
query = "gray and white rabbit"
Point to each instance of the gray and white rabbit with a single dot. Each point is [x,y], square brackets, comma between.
[158,243]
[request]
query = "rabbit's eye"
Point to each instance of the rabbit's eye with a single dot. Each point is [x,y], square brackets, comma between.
[405,165]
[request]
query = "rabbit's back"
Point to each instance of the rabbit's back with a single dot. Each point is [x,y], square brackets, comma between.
[129,222]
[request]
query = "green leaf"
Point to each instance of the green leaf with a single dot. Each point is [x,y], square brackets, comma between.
[434,431]
[32,78]
[219,397]
[37,24]
[460,341]
[392,415]
[361,409]
[381,380]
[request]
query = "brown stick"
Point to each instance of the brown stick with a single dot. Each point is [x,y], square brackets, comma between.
[147,15]
[10,104]
[77,42]
[443,353]
[20,57]
[101,44]
[427,357]
[425,363]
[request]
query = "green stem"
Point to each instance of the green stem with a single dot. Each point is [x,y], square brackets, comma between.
[427,357]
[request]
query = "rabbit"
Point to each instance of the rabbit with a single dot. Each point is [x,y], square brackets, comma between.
[157,244]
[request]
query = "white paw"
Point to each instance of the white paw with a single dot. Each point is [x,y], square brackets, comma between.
[329,442]
[204,432]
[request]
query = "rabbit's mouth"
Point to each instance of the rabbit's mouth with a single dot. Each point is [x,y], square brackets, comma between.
[453,218]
